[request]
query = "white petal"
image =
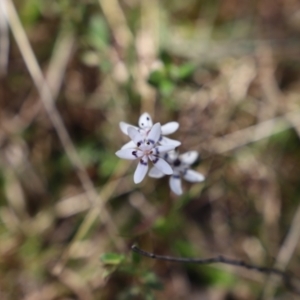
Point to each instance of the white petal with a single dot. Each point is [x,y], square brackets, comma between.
[169,128]
[141,170]
[145,121]
[155,173]
[163,149]
[129,154]
[189,157]
[128,145]
[161,164]
[193,176]
[175,184]
[135,136]
[124,127]
[166,141]
[172,156]
[154,134]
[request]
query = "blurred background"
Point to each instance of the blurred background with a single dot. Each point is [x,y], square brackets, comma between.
[227,71]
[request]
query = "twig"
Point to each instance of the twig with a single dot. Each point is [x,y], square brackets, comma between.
[220,259]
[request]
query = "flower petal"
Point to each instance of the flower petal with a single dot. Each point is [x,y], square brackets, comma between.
[163,149]
[124,127]
[161,164]
[193,176]
[171,156]
[154,134]
[129,154]
[169,128]
[129,145]
[155,173]
[135,136]
[189,157]
[175,184]
[141,170]
[145,121]
[166,141]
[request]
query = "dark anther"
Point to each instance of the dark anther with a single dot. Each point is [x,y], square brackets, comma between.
[134,153]
[148,118]
[138,144]
[177,162]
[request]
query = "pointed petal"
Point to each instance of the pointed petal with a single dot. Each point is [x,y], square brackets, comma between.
[161,164]
[193,176]
[129,145]
[141,170]
[129,154]
[169,128]
[175,184]
[124,127]
[155,173]
[189,157]
[163,149]
[135,136]
[166,141]
[154,134]
[145,121]
[171,156]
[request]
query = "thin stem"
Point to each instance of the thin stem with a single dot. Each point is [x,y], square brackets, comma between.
[221,259]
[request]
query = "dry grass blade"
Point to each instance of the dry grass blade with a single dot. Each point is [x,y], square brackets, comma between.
[252,134]
[117,21]
[4,37]
[47,99]
[291,241]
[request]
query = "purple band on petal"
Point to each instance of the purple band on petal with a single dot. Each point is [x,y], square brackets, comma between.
[176,176]
[155,160]
[143,162]
[134,153]
[151,141]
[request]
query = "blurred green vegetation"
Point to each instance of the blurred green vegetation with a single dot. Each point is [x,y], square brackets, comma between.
[219,68]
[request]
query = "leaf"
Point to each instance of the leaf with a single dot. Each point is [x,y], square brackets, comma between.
[112,258]
[98,34]
[151,281]
[166,87]
[156,77]
[186,70]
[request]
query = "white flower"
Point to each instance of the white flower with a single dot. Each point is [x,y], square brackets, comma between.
[145,125]
[181,168]
[146,148]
